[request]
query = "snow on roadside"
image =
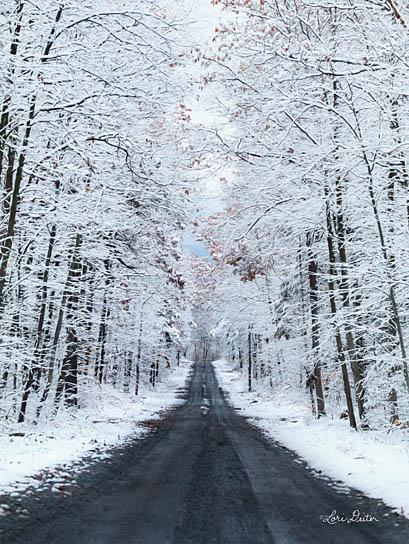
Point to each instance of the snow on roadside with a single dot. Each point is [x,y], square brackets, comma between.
[376,464]
[109,417]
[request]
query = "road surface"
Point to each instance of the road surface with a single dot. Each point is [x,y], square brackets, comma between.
[204,475]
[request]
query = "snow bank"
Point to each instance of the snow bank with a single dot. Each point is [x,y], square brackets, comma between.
[107,418]
[377,464]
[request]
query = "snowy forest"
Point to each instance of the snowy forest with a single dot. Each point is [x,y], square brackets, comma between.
[95,174]
[113,121]
[310,251]
[204,271]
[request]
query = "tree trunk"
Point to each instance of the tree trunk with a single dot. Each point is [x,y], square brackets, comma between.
[57,332]
[250,361]
[344,289]
[68,379]
[338,340]
[100,362]
[139,354]
[34,368]
[315,328]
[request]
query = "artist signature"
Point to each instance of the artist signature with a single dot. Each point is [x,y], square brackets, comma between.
[356,517]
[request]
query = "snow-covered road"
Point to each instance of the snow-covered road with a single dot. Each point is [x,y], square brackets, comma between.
[372,461]
[32,454]
[204,475]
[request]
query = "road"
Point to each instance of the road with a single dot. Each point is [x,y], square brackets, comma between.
[204,475]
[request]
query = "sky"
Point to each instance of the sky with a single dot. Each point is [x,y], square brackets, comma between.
[203,17]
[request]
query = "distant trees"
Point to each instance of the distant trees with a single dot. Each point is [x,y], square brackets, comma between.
[314,241]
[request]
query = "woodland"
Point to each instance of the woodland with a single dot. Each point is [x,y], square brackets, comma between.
[94,166]
[114,119]
[311,247]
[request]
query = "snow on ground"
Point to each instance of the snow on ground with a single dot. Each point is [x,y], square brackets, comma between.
[377,464]
[108,418]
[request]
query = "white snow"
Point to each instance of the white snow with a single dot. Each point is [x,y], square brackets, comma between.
[377,464]
[108,417]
